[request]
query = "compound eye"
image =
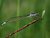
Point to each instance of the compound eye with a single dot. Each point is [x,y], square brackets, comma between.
[33,14]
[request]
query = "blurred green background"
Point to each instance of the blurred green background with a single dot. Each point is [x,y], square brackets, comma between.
[13,8]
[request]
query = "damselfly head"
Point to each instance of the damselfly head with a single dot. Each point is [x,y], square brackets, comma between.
[33,14]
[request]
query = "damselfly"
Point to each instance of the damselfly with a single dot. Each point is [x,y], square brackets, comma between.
[34,16]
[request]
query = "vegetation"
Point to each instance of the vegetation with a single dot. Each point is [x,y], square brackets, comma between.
[13,8]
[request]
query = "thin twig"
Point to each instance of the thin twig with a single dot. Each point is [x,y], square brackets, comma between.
[34,21]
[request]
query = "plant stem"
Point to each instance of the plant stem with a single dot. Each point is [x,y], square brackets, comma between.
[34,21]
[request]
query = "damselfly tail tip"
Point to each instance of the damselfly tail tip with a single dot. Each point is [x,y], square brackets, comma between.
[3,23]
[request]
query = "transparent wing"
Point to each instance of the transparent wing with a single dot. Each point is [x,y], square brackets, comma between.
[28,16]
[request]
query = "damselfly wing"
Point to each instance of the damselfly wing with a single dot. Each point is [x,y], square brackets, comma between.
[17,18]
